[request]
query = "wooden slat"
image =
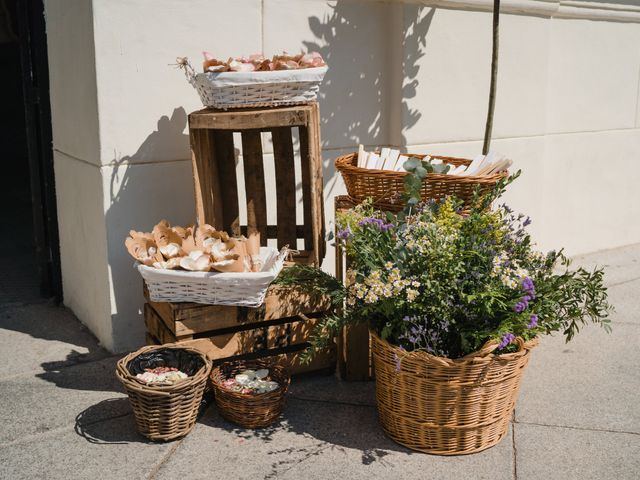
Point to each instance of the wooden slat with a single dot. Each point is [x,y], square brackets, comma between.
[155,327]
[286,186]
[305,165]
[283,343]
[315,156]
[226,161]
[205,176]
[355,357]
[272,231]
[185,319]
[260,118]
[254,184]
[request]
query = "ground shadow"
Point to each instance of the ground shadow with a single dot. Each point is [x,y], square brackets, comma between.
[95,424]
[329,415]
[112,421]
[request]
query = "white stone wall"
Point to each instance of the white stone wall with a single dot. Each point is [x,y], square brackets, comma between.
[413,74]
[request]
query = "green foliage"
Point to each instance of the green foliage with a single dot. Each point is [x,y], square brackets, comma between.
[429,278]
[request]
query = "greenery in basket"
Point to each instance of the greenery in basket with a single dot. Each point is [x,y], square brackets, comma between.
[430,278]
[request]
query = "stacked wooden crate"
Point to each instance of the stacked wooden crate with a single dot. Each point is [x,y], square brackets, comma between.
[282,325]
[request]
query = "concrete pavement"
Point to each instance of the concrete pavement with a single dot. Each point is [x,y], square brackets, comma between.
[64,415]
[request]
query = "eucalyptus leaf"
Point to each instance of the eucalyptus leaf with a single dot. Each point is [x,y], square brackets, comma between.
[411,164]
[440,168]
[420,171]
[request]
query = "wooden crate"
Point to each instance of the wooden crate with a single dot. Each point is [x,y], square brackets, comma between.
[216,183]
[282,325]
[279,328]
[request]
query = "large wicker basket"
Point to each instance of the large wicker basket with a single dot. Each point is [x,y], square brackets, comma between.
[250,411]
[447,407]
[385,187]
[165,412]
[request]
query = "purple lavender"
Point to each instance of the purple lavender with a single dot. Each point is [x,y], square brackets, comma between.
[507,338]
[422,334]
[378,222]
[522,305]
[344,234]
[533,321]
[529,287]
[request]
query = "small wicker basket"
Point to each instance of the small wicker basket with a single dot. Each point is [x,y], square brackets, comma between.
[385,187]
[250,411]
[447,407]
[165,412]
[246,289]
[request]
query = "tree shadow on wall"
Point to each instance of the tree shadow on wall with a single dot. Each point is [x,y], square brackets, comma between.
[140,195]
[363,97]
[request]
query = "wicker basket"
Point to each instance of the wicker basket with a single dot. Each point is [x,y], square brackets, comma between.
[165,412]
[447,407]
[250,411]
[386,187]
[246,289]
[256,89]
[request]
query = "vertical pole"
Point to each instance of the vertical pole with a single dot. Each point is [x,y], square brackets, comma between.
[494,79]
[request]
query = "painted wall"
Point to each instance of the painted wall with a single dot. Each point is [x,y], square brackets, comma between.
[414,75]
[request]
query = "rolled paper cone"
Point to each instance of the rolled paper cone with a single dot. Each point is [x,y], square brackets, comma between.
[237,265]
[242,250]
[253,251]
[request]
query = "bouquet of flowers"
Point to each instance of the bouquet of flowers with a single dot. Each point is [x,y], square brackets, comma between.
[429,278]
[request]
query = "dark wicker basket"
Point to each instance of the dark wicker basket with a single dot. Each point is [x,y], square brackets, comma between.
[385,187]
[250,411]
[170,411]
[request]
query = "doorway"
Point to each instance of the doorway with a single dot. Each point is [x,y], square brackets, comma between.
[29,247]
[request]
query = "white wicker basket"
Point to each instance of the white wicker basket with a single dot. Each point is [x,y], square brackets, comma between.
[256,89]
[214,288]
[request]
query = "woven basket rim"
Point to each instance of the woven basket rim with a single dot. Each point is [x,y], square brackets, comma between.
[283,376]
[484,354]
[346,164]
[130,380]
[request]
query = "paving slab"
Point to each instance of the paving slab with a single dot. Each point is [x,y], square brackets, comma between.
[117,453]
[53,399]
[625,298]
[320,440]
[552,453]
[328,388]
[42,337]
[591,382]
[620,264]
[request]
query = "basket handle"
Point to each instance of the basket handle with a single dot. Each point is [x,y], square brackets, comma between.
[183,63]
